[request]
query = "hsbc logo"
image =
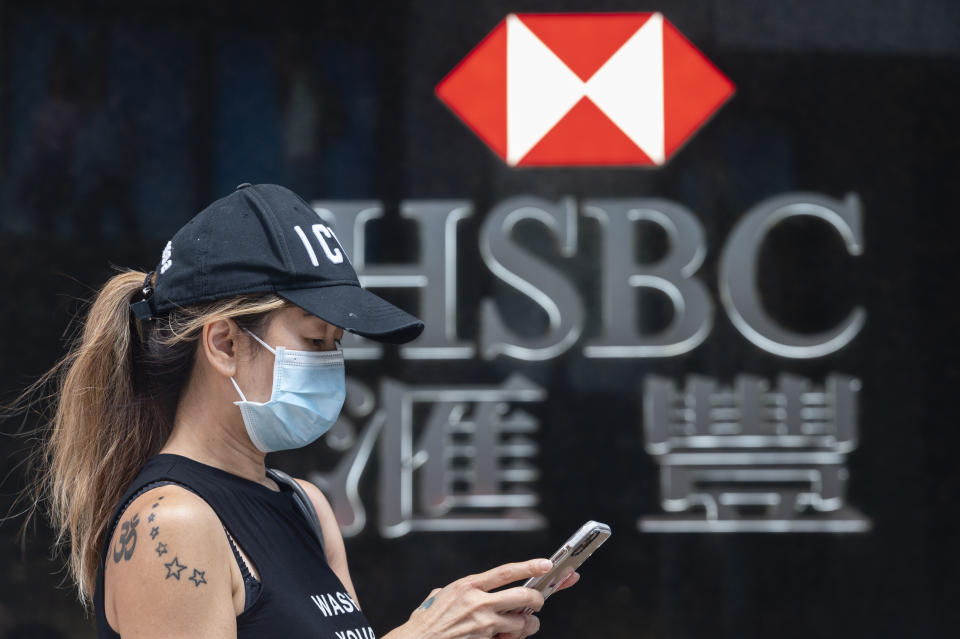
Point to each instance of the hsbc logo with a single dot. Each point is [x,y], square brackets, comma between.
[585,89]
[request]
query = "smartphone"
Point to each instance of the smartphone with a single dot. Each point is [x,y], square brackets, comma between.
[569,556]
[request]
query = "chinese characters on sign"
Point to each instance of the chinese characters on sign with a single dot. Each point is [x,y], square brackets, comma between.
[745,458]
[751,458]
[451,458]
[462,456]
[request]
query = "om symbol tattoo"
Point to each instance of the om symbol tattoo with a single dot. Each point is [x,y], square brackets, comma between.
[127,541]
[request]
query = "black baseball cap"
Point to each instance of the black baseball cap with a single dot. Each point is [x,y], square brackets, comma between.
[265,238]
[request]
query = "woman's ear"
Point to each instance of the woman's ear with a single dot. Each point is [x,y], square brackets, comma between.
[219,346]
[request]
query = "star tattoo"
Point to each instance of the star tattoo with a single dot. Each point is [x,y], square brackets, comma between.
[151,518]
[154,532]
[174,568]
[161,549]
[198,577]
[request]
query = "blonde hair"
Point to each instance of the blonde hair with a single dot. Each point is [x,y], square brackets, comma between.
[114,396]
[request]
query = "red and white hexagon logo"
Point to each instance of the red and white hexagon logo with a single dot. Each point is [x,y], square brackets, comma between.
[585,89]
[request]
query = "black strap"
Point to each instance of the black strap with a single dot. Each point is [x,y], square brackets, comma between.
[302,500]
[143,308]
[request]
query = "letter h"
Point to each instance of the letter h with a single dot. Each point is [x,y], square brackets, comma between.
[435,268]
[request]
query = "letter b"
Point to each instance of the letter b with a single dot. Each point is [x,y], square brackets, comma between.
[673,275]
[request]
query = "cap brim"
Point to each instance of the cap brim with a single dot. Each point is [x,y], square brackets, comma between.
[358,311]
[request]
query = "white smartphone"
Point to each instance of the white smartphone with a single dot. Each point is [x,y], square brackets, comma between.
[569,557]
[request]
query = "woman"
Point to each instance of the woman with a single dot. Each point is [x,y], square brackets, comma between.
[181,382]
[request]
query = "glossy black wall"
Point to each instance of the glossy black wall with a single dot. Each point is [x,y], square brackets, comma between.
[120,120]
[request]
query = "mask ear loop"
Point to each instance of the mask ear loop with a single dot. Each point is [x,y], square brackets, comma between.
[243,397]
[265,345]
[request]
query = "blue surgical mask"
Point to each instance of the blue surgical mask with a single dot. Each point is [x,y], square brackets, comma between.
[308,392]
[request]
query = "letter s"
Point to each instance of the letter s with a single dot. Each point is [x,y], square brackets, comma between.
[549,290]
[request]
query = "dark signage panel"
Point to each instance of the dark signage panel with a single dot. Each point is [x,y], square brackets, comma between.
[686,270]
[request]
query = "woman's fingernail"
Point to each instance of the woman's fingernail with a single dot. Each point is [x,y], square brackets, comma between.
[544,565]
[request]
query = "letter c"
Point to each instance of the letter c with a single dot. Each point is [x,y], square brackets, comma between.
[319,230]
[738,273]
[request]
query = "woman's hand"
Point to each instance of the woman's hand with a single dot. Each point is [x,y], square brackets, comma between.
[466,609]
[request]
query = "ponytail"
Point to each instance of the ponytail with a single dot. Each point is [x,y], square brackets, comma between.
[99,433]
[116,393]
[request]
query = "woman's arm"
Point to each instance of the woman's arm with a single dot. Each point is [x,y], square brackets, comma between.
[332,538]
[169,570]
[465,609]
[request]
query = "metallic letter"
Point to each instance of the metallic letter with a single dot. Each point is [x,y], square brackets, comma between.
[436,268]
[543,285]
[738,273]
[673,275]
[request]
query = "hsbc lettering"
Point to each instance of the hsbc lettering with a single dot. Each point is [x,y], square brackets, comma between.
[554,278]
[515,265]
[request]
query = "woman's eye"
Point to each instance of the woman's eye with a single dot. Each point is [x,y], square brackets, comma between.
[325,344]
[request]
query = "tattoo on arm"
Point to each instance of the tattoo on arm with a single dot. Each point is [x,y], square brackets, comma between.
[174,567]
[426,604]
[127,541]
[198,577]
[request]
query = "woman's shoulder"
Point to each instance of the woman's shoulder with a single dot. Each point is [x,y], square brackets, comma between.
[334,548]
[328,520]
[316,495]
[168,548]
[173,504]
[162,523]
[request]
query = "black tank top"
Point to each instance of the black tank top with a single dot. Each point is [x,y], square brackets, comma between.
[300,596]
